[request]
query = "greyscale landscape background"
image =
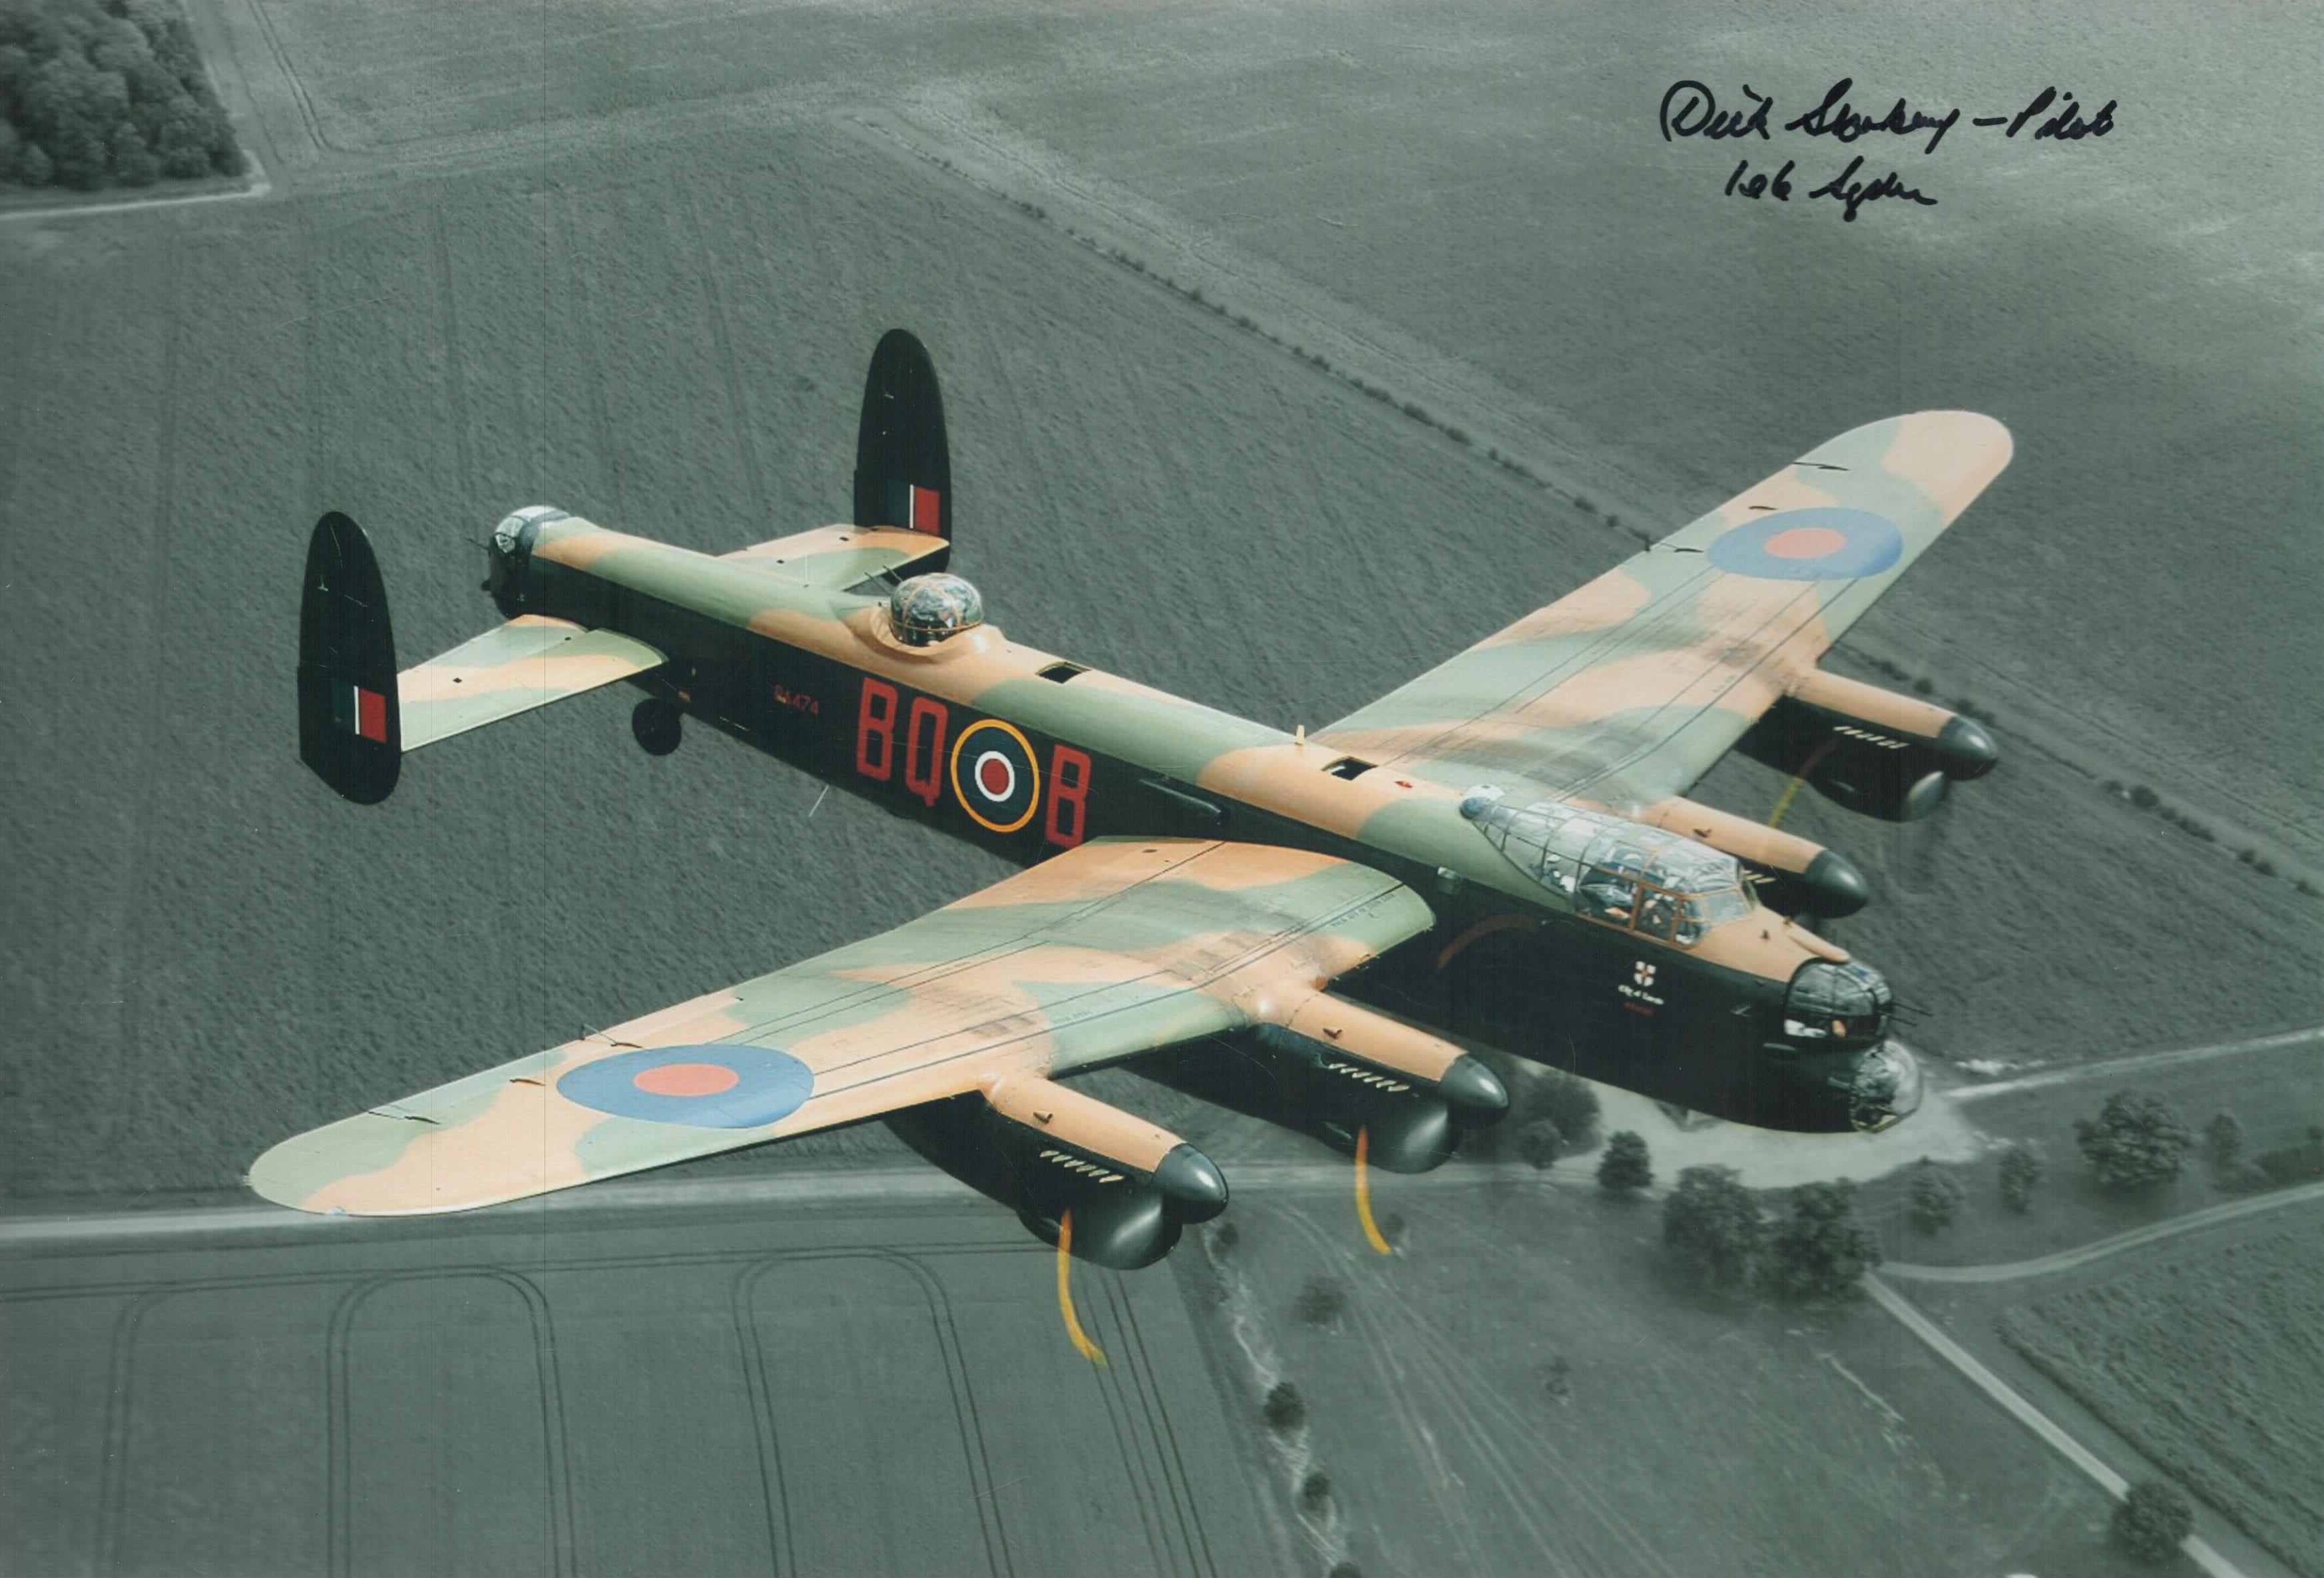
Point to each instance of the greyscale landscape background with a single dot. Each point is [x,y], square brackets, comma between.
[1285,351]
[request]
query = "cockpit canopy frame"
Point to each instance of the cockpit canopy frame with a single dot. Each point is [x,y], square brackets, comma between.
[1661,884]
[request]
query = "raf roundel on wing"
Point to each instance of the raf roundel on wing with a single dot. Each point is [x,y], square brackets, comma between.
[1822,544]
[718,1086]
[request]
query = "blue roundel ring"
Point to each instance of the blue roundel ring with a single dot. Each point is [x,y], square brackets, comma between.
[1821,544]
[718,1086]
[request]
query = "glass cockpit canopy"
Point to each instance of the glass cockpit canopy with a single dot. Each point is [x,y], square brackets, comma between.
[1662,885]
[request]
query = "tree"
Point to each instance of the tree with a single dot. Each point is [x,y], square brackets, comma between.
[2223,1141]
[1712,1222]
[1567,1101]
[2021,1169]
[81,158]
[133,163]
[2152,1520]
[1823,1251]
[226,153]
[1937,1198]
[1285,1409]
[2136,1139]
[182,144]
[1625,1168]
[1315,1493]
[1538,1143]
[35,169]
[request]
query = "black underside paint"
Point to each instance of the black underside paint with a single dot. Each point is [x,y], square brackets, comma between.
[1537,983]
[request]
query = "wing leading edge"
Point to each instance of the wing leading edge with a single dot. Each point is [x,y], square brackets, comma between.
[1631,687]
[1116,947]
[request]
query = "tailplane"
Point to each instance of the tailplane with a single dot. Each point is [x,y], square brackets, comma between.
[350,727]
[903,466]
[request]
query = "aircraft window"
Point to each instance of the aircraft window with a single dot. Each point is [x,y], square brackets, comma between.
[1692,886]
[1351,767]
[1061,670]
[1657,910]
[1606,895]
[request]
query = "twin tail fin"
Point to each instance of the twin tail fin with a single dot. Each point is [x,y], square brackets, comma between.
[903,466]
[350,724]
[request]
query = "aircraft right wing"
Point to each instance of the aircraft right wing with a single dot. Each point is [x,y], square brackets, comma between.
[837,556]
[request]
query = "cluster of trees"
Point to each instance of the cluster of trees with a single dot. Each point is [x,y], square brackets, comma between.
[2138,1138]
[1551,1111]
[1820,1252]
[95,94]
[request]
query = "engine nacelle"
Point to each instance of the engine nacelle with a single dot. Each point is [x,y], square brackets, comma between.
[1348,1070]
[1043,1150]
[1869,750]
[1793,875]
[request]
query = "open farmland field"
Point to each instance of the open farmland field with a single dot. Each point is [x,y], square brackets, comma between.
[2213,1365]
[787,1386]
[1698,1436]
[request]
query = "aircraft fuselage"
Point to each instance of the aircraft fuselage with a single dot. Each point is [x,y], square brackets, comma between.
[1023,753]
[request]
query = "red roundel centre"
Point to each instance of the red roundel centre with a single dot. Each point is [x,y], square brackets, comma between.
[993,776]
[1806,542]
[686,1079]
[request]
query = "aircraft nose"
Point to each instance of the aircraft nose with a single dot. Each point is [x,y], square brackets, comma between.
[1887,1088]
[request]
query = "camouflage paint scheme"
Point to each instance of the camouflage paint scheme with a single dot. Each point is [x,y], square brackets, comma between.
[1111,949]
[1626,691]
[1193,872]
[526,663]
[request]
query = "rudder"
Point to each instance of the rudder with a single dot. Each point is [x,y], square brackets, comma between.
[903,466]
[350,727]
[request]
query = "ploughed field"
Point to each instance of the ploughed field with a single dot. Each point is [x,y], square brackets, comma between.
[2213,1366]
[782,1384]
[653,309]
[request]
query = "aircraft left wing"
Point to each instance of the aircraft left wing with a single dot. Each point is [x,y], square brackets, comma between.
[528,662]
[1633,687]
[1115,947]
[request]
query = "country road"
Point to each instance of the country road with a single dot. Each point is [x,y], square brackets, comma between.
[2312,1035]
[2136,1238]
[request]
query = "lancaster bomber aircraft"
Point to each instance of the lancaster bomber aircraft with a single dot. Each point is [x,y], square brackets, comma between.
[1499,851]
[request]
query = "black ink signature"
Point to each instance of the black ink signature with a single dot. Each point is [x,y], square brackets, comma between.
[1836,118]
[1692,110]
[2067,125]
[1845,189]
